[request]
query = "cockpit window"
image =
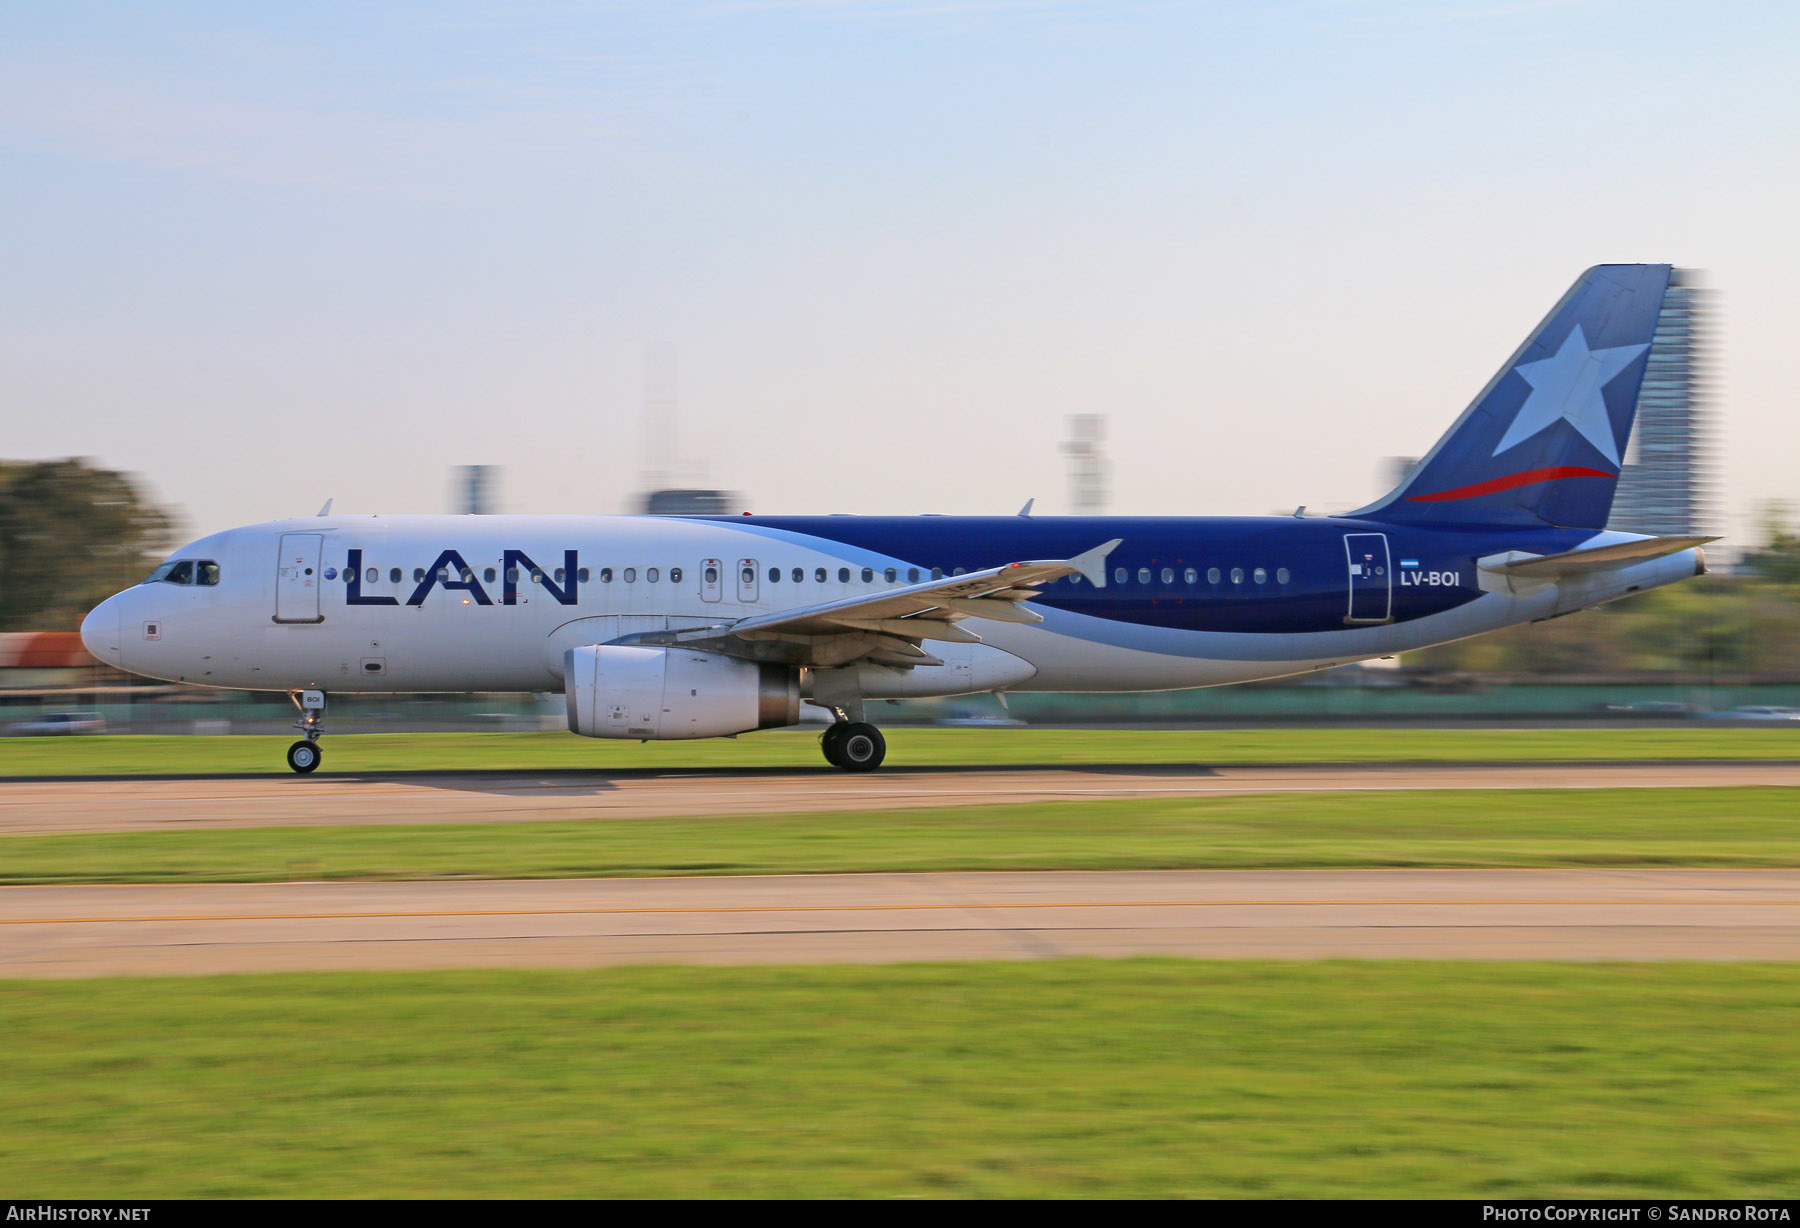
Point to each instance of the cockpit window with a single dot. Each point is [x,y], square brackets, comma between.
[178,571]
[185,571]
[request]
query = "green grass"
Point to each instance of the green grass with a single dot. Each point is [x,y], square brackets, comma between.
[1602,827]
[130,755]
[1068,1079]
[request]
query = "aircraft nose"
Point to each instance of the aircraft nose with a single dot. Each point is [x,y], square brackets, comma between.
[100,631]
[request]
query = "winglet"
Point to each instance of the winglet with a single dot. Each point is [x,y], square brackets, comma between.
[1092,563]
[1026,510]
[326,510]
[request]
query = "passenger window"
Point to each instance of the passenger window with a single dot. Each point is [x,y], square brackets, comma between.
[774,575]
[583,574]
[606,575]
[1143,575]
[674,575]
[712,575]
[868,574]
[559,575]
[912,575]
[749,577]
[393,575]
[537,577]
[488,575]
[208,573]
[1212,575]
[799,574]
[372,576]
[819,575]
[1191,576]
[1260,576]
[512,575]
[937,573]
[1237,575]
[1281,575]
[418,575]
[1168,575]
[630,576]
[1120,575]
[843,575]
[959,571]
[650,576]
[891,575]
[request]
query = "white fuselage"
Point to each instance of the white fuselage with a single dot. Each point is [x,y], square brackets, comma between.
[282,616]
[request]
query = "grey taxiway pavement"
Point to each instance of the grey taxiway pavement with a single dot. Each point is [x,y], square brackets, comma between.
[1750,914]
[170,803]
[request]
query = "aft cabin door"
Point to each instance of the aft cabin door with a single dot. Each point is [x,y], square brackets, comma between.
[297,579]
[1371,578]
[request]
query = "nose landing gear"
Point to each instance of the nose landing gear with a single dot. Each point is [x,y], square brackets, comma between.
[304,756]
[855,746]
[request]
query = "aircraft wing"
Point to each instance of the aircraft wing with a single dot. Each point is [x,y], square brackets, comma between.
[888,625]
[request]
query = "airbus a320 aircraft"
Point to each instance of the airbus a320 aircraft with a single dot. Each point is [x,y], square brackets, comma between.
[702,627]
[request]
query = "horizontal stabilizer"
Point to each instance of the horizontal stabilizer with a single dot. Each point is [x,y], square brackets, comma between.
[1596,558]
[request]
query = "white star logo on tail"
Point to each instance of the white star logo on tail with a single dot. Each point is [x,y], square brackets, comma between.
[1567,388]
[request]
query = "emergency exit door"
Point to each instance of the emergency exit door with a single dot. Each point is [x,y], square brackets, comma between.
[297,579]
[1371,578]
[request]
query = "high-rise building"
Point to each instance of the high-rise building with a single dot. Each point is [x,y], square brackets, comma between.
[1665,484]
[1088,469]
[475,489]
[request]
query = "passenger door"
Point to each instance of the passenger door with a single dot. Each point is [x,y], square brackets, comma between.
[1371,578]
[297,579]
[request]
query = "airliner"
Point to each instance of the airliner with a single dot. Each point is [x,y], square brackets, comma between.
[659,627]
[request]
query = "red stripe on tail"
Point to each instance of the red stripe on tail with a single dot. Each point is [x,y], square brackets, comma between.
[1510,482]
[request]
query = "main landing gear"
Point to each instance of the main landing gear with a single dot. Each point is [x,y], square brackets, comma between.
[304,755]
[855,746]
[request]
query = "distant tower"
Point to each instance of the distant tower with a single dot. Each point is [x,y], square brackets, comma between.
[1664,487]
[475,489]
[672,483]
[1087,464]
[662,432]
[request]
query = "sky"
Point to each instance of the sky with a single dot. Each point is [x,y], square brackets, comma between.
[875,254]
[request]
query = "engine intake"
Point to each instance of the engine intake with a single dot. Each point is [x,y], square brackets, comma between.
[622,691]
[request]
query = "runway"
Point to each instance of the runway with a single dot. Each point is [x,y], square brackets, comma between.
[875,918]
[179,803]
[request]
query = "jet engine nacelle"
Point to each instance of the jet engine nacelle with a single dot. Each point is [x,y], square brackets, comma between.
[623,691]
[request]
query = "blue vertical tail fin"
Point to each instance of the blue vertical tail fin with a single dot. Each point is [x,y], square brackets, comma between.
[1544,441]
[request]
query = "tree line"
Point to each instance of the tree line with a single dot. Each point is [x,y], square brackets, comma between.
[71,535]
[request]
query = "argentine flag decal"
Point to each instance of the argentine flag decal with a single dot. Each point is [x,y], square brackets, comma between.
[1409,562]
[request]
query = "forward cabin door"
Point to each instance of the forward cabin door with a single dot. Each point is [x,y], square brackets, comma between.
[1371,578]
[297,579]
